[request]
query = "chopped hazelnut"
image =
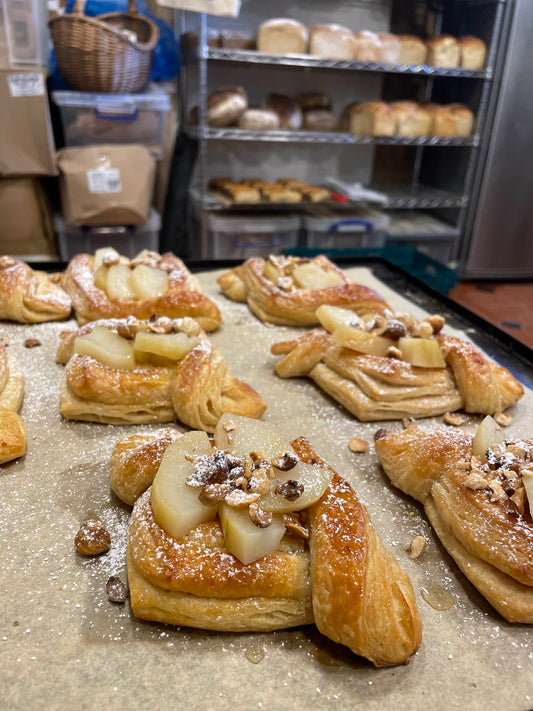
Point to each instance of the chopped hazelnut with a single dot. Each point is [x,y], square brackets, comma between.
[503,419]
[214,492]
[417,547]
[92,538]
[395,330]
[358,445]
[425,330]
[290,489]
[453,418]
[436,322]
[393,352]
[32,343]
[294,526]
[286,461]
[116,590]
[379,434]
[406,421]
[238,499]
[260,518]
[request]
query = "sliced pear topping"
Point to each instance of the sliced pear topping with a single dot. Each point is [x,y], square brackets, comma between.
[107,347]
[246,540]
[118,282]
[147,282]
[421,352]
[527,481]
[331,317]
[310,275]
[100,277]
[361,341]
[106,255]
[162,348]
[311,480]
[271,272]
[487,434]
[242,435]
[176,506]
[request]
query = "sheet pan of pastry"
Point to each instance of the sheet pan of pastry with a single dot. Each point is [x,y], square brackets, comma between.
[65,644]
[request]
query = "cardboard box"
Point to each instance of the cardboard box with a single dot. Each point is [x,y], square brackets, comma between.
[26,224]
[106,185]
[27,145]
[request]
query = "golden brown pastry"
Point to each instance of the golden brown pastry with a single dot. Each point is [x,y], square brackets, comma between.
[288,290]
[12,430]
[195,389]
[443,51]
[30,296]
[473,52]
[382,370]
[180,294]
[477,504]
[343,579]
[231,192]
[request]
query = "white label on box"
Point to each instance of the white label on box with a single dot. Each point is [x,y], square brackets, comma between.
[26,84]
[104,180]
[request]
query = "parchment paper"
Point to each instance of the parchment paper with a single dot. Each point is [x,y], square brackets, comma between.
[65,646]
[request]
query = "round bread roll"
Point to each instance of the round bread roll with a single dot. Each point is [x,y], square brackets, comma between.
[286,109]
[315,100]
[259,120]
[320,120]
[225,106]
[367,47]
[332,42]
[443,51]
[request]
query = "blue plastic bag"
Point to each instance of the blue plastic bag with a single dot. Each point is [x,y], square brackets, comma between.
[165,65]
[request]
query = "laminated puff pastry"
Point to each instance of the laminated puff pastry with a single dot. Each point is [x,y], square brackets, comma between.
[30,296]
[108,285]
[477,504]
[392,366]
[289,290]
[330,567]
[12,430]
[195,386]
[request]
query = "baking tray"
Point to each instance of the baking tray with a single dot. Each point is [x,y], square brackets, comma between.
[64,645]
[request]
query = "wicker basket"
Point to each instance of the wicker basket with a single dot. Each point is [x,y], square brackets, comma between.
[111,53]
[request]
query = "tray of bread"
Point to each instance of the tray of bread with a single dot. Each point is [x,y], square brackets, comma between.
[298,479]
[260,193]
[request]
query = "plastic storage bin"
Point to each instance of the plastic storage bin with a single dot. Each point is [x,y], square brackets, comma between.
[423,232]
[23,33]
[95,119]
[434,246]
[360,227]
[251,235]
[129,240]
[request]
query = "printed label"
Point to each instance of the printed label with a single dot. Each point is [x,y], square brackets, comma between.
[27,84]
[104,180]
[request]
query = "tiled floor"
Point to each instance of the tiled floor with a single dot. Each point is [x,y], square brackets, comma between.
[507,305]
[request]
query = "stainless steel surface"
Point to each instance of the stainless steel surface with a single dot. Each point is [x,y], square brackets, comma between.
[501,244]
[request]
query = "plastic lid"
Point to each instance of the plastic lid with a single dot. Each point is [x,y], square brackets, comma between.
[152,225]
[358,219]
[253,223]
[153,99]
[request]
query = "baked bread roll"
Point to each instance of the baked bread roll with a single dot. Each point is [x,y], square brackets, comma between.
[259,120]
[367,46]
[442,122]
[320,120]
[225,106]
[230,192]
[332,42]
[13,436]
[275,290]
[463,119]
[413,50]
[274,192]
[195,389]
[182,297]
[341,576]
[411,119]
[286,109]
[282,36]
[476,502]
[443,51]
[312,193]
[377,373]
[314,100]
[30,296]
[473,52]
[390,46]
[369,118]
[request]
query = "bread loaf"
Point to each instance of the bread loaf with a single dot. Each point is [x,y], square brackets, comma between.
[258,120]
[412,50]
[390,47]
[236,39]
[411,119]
[367,46]
[274,192]
[282,36]
[225,106]
[233,192]
[463,119]
[442,122]
[287,110]
[315,100]
[443,51]
[332,42]
[320,120]
[473,51]
[369,118]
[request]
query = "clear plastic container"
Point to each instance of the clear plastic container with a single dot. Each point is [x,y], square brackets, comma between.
[251,235]
[128,240]
[95,119]
[358,227]
[23,24]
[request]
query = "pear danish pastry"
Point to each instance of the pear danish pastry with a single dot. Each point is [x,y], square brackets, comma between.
[12,430]
[125,371]
[289,290]
[109,285]
[477,493]
[30,296]
[389,366]
[256,533]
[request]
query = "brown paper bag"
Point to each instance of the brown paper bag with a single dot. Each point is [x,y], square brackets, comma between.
[106,185]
